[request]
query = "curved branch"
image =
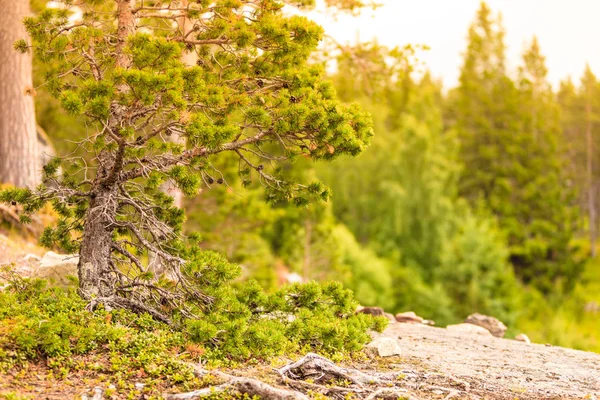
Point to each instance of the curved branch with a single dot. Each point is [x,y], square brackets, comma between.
[191,153]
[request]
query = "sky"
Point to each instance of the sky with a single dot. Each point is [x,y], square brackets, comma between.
[568,31]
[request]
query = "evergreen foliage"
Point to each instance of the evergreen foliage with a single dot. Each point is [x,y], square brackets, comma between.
[580,122]
[53,325]
[401,198]
[250,103]
[306,240]
[475,200]
[509,137]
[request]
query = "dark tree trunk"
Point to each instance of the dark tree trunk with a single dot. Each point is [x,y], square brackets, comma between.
[96,274]
[18,138]
[96,278]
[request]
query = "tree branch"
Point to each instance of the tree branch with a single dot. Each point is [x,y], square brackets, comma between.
[191,153]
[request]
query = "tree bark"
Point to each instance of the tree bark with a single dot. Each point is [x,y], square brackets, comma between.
[96,274]
[96,278]
[19,164]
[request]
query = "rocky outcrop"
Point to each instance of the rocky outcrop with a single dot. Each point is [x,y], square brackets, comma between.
[390,317]
[469,329]
[495,326]
[374,311]
[409,317]
[57,269]
[522,338]
[383,347]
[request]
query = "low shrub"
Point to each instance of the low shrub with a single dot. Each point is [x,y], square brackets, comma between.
[41,323]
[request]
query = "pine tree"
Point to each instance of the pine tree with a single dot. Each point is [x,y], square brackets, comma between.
[510,148]
[580,119]
[252,96]
[485,107]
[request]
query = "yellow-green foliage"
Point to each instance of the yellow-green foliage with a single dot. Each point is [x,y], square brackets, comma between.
[563,320]
[52,324]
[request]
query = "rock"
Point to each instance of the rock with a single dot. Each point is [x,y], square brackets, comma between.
[409,317]
[52,259]
[46,150]
[293,278]
[374,311]
[470,329]
[428,322]
[98,394]
[383,347]
[32,257]
[495,326]
[57,268]
[522,338]
[390,317]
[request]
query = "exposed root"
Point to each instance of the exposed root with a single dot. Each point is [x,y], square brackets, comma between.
[130,304]
[251,387]
[254,387]
[320,369]
[325,378]
[335,392]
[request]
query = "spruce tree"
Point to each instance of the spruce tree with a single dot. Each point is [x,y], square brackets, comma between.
[580,121]
[252,96]
[510,146]
[590,89]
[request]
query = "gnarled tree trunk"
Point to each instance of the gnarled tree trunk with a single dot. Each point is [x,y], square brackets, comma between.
[96,275]
[96,278]
[19,164]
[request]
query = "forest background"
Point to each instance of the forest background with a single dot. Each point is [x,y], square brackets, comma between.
[481,198]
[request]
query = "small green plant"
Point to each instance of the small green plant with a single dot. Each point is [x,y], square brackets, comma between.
[53,324]
[14,396]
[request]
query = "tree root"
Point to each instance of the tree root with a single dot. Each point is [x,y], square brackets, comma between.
[325,378]
[320,369]
[251,387]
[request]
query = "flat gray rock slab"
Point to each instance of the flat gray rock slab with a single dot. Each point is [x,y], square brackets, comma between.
[495,368]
